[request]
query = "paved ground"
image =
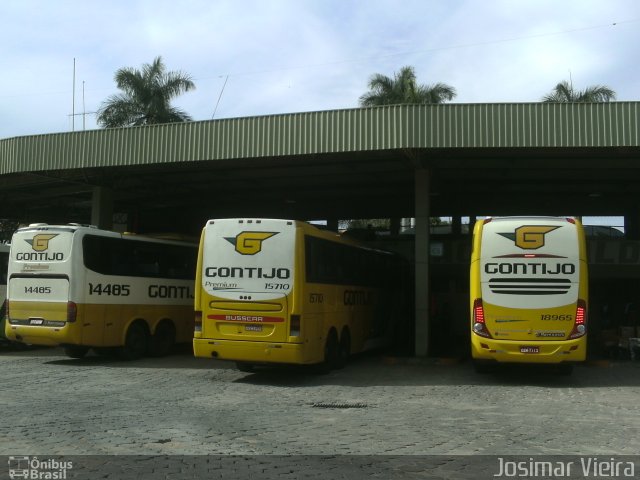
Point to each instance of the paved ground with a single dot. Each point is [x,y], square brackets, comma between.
[376,408]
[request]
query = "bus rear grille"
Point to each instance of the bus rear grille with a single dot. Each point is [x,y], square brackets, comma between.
[529,286]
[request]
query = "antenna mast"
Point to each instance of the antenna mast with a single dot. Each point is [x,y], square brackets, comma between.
[73,102]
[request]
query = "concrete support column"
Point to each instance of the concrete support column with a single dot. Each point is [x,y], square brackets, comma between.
[102,208]
[422,293]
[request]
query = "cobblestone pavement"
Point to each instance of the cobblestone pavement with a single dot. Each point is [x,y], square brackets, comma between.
[376,406]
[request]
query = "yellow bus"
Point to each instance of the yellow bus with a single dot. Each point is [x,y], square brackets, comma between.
[529,291]
[80,287]
[286,292]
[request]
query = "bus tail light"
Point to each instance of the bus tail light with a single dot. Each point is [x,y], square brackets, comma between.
[479,326]
[294,326]
[198,322]
[580,323]
[72,312]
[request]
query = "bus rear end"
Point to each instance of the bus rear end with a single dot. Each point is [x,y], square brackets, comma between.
[245,303]
[39,310]
[529,291]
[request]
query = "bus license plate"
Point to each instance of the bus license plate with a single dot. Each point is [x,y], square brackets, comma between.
[253,328]
[529,349]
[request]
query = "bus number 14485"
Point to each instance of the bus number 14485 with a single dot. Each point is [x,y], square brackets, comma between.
[109,289]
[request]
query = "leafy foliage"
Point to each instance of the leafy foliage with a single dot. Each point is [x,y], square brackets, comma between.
[565,93]
[145,98]
[404,89]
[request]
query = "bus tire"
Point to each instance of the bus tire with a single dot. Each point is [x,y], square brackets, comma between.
[344,350]
[163,339]
[75,351]
[136,343]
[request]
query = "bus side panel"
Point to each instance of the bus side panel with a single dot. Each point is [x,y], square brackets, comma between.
[118,318]
[317,303]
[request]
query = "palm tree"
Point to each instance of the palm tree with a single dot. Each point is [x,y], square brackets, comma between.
[404,89]
[146,97]
[564,93]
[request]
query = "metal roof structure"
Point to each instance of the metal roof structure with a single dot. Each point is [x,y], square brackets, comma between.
[502,158]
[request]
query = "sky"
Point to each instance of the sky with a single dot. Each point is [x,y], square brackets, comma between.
[251,57]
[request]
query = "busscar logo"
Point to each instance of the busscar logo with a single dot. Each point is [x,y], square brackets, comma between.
[529,237]
[249,243]
[40,242]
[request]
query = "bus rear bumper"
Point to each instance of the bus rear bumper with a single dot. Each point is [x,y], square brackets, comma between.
[46,336]
[528,352]
[250,352]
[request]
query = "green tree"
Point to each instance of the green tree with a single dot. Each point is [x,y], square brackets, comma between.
[403,88]
[565,93]
[145,98]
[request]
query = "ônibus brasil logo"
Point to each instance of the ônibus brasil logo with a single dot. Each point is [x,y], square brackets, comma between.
[529,237]
[26,467]
[249,243]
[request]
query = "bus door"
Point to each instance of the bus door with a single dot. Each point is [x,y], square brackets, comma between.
[247,279]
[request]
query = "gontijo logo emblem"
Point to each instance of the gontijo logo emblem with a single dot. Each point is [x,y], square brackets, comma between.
[530,237]
[249,243]
[40,242]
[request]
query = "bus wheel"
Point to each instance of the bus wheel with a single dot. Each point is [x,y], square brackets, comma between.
[135,345]
[75,351]
[163,340]
[345,349]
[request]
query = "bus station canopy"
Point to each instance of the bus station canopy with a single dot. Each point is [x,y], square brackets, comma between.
[482,159]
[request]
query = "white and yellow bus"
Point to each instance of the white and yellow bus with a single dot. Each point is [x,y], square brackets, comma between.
[285,292]
[80,287]
[529,291]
